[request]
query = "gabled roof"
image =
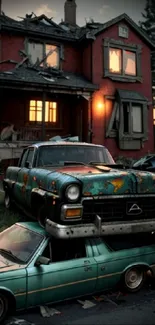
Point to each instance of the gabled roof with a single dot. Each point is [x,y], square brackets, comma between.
[97,28]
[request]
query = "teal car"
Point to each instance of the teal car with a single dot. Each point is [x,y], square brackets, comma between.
[36,269]
[76,190]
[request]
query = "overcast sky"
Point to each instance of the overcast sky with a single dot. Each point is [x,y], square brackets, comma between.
[99,10]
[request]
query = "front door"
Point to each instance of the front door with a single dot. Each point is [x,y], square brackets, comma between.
[71,274]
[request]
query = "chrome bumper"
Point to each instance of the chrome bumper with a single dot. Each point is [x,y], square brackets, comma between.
[99,228]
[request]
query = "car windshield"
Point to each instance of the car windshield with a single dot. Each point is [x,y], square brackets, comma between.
[58,155]
[19,243]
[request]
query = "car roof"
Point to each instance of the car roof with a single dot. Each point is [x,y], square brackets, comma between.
[34,226]
[66,143]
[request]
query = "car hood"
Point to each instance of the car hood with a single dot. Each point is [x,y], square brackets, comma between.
[99,180]
[6,265]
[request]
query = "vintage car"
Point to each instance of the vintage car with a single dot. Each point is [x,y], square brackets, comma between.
[76,190]
[146,163]
[36,269]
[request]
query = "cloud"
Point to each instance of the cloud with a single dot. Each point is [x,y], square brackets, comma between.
[44,9]
[103,9]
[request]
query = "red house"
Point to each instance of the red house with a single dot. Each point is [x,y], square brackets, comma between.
[92,81]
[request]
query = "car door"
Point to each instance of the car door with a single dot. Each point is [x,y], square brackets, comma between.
[63,279]
[20,188]
[109,264]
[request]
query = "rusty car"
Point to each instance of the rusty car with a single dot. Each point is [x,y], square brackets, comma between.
[38,269]
[76,190]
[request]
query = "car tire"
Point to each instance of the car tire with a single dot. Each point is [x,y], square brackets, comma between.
[4,307]
[7,200]
[134,279]
[41,217]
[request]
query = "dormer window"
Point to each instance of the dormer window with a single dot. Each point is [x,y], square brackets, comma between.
[47,54]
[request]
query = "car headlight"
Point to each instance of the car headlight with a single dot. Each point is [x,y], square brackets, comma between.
[72,192]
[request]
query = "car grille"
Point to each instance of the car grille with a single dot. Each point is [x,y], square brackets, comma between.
[119,209]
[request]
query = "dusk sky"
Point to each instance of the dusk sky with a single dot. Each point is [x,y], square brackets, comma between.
[99,10]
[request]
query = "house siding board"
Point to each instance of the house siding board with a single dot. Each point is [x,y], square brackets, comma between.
[108,88]
[11,45]
[72,59]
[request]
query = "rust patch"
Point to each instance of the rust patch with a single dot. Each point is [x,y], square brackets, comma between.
[117,184]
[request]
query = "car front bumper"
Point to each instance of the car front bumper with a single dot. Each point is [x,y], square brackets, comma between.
[99,228]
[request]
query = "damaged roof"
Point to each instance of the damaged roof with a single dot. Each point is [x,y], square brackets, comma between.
[44,78]
[42,25]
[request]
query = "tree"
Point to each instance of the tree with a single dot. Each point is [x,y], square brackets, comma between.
[149,17]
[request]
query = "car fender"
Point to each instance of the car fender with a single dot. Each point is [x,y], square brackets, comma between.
[9,294]
[137,264]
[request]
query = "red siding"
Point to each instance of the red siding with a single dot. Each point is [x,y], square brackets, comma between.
[72,60]
[86,62]
[108,87]
[10,46]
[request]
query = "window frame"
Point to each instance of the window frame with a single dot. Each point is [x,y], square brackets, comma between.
[48,123]
[44,43]
[120,45]
[120,32]
[119,132]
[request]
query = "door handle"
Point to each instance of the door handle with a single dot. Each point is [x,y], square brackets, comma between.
[88,268]
[102,268]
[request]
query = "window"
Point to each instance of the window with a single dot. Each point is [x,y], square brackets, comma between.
[115,60]
[129,119]
[64,250]
[132,118]
[122,61]
[35,111]
[123,31]
[39,51]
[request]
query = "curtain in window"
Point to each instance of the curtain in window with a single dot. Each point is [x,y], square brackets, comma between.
[137,118]
[35,51]
[115,60]
[129,63]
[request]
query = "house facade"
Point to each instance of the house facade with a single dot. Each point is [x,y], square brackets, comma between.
[92,81]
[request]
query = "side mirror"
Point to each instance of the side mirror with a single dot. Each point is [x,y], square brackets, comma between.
[28,164]
[41,260]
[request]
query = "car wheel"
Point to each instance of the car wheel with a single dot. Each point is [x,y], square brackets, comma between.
[4,306]
[7,200]
[134,279]
[42,217]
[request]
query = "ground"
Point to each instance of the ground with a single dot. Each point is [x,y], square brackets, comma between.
[136,309]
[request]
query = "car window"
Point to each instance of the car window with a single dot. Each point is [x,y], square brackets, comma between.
[58,155]
[23,159]
[30,156]
[63,250]
[20,241]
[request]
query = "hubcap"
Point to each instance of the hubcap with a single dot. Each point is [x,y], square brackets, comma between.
[134,278]
[2,307]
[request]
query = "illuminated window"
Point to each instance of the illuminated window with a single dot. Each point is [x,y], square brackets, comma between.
[115,60]
[39,51]
[35,111]
[122,62]
[129,63]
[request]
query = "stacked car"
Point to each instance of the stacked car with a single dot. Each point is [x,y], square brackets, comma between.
[86,209]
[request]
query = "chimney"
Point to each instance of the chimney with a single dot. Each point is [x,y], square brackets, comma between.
[70,12]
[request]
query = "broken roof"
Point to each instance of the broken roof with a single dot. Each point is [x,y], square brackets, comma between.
[44,26]
[44,78]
